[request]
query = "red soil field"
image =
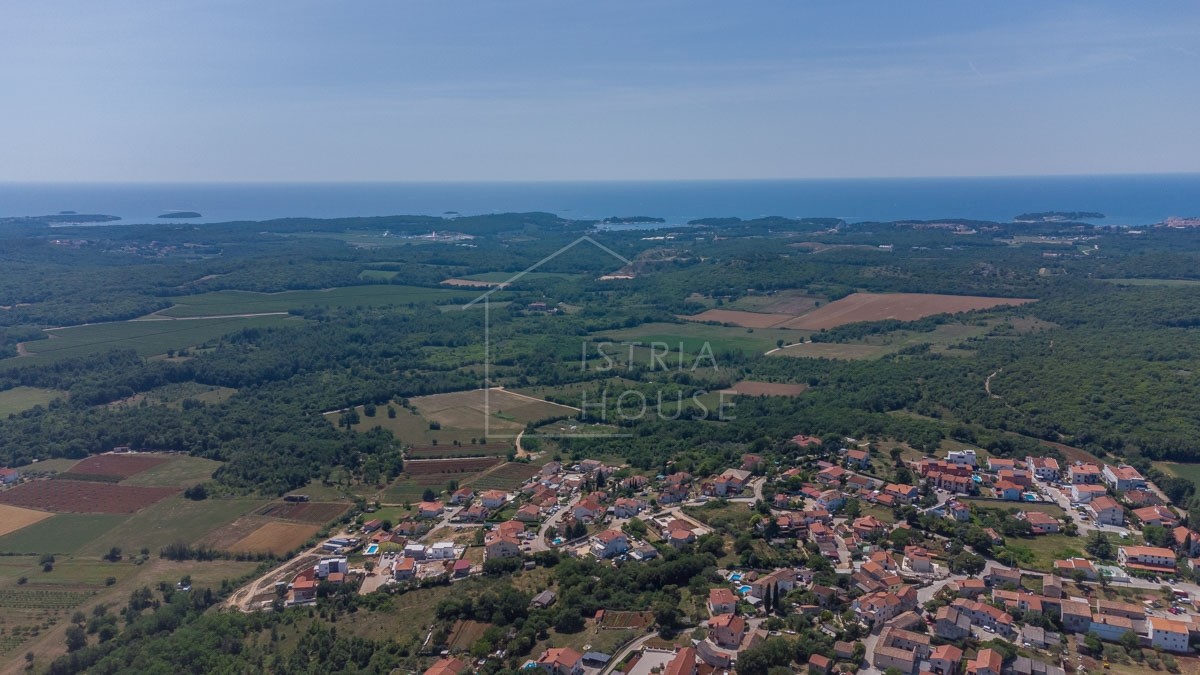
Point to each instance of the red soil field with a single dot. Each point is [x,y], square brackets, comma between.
[901,306]
[72,496]
[316,513]
[122,466]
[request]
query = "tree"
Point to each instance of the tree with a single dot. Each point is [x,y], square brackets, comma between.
[1092,642]
[196,493]
[76,639]
[1099,546]
[114,554]
[428,495]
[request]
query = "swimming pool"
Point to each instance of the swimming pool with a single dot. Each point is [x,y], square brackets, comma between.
[557,541]
[736,576]
[372,549]
[1031,497]
[744,590]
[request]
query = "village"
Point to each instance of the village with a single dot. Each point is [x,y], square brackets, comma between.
[902,576]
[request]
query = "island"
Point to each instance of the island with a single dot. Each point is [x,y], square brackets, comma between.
[1057,216]
[630,220]
[180,214]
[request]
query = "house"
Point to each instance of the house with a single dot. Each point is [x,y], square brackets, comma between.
[965,457]
[587,509]
[371,525]
[1123,477]
[1018,476]
[1052,586]
[887,657]
[1085,493]
[1076,615]
[1141,497]
[543,600]
[1023,665]
[1071,567]
[951,624]
[986,662]
[904,493]
[752,462]
[461,568]
[304,587]
[998,463]
[1111,628]
[551,469]
[944,659]
[404,568]
[869,526]
[777,583]
[1128,610]
[1168,634]
[683,663]
[1039,637]
[712,656]
[1156,515]
[983,614]
[528,514]
[960,512]
[806,441]
[1003,576]
[858,458]
[475,513]
[1187,541]
[731,482]
[727,630]
[679,533]
[626,507]
[971,588]
[1041,523]
[494,499]
[819,663]
[831,475]
[430,509]
[1007,490]
[448,666]
[9,476]
[609,544]
[831,500]
[462,496]
[442,550]
[721,601]
[1083,474]
[498,546]
[1043,468]
[918,560]
[1147,559]
[1106,511]
[561,661]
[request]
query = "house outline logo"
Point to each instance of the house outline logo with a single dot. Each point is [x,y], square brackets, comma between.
[485,299]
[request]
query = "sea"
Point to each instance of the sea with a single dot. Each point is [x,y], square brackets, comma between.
[1132,200]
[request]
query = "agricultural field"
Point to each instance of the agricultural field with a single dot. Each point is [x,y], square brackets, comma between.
[148,338]
[20,399]
[635,620]
[1186,471]
[942,339]
[119,466]
[693,338]
[61,533]
[275,537]
[222,303]
[740,318]
[507,477]
[448,451]
[752,388]
[13,518]
[171,520]
[501,410]
[900,306]
[449,467]
[71,496]
[842,351]
[464,634]
[173,395]
[179,471]
[313,513]
[791,303]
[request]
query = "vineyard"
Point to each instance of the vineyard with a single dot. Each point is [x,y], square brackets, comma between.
[70,496]
[507,477]
[40,598]
[424,467]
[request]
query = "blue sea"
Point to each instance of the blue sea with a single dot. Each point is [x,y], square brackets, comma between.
[1125,200]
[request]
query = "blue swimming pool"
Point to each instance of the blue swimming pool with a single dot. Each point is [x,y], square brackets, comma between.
[736,576]
[1030,497]
[743,589]
[372,549]
[558,541]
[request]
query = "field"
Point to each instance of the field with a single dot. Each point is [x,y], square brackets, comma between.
[171,520]
[1039,553]
[176,393]
[64,533]
[941,339]
[274,537]
[900,306]
[148,338]
[314,513]
[752,388]
[13,518]
[445,451]
[222,303]
[833,350]
[791,303]
[464,634]
[1186,471]
[429,467]
[20,399]
[180,471]
[505,477]
[118,466]
[693,338]
[619,620]
[71,496]
[1152,282]
[740,318]
[503,411]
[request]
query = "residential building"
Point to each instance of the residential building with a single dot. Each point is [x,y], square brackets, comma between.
[893,657]
[869,526]
[986,662]
[1106,511]
[430,509]
[831,475]
[1041,523]
[494,499]
[1043,468]
[1083,474]
[610,543]
[905,493]
[731,482]
[442,550]
[462,496]
[1007,490]
[561,661]
[1123,477]
[683,663]
[448,666]
[528,514]
[1084,493]
[944,660]
[858,458]
[498,546]
[819,663]
[1000,463]
[721,601]
[1156,515]
[404,569]
[727,630]
[1168,634]
[9,476]
[1076,615]
[831,500]
[626,507]
[1147,559]
[806,441]
[983,614]
[587,509]
[960,512]
[918,560]
[1023,665]
[965,457]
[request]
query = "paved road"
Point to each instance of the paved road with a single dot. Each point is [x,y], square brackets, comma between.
[539,542]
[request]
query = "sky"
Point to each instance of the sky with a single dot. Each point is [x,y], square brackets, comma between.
[299,90]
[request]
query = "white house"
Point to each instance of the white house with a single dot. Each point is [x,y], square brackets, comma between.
[9,476]
[442,550]
[610,543]
[964,457]
[1170,635]
[1123,477]
[1043,468]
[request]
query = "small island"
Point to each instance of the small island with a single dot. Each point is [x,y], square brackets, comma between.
[630,220]
[181,214]
[1057,216]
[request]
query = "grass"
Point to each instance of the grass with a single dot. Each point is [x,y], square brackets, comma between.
[62,533]
[179,471]
[20,399]
[1152,282]
[1039,553]
[170,520]
[174,394]
[1186,471]
[59,465]
[500,277]
[693,336]
[148,338]
[941,340]
[245,302]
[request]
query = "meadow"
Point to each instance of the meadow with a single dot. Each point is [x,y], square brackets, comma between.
[693,337]
[220,303]
[20,399]
[61,533]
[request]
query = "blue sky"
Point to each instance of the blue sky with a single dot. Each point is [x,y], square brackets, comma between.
[554,90]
